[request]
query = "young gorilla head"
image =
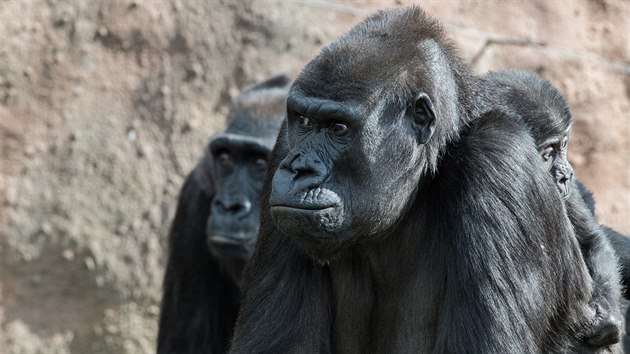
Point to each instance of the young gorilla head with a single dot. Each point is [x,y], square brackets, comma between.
[234,166]
[547,116]
[359,138]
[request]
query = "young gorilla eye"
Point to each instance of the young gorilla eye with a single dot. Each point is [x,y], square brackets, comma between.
[548,153]
[338,128]
[304,121]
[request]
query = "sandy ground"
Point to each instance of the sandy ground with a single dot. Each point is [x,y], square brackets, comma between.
[106,105]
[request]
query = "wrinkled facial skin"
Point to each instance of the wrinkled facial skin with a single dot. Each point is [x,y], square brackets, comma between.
[350,171]
[554,153]
[238,168]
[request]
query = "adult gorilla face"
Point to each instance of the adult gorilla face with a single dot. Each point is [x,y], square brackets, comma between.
[351,168]
[237,168]
[216,223]
[234,168]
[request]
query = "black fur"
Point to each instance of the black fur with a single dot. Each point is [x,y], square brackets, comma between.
[587,196]
[546,114]
[200,301]
[215,225]
[381,243]
[620,243]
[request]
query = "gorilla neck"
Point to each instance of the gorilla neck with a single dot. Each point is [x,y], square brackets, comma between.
[234,268]
[368,284]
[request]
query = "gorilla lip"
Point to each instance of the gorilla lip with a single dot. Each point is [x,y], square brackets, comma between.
[219,239]
[313,207]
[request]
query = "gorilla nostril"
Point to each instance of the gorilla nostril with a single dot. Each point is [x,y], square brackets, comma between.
[239,209]
[246,207]
[304,172]
[563,176]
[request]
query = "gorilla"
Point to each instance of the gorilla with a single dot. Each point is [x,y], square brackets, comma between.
[216,223]
[547,116]
[401,212]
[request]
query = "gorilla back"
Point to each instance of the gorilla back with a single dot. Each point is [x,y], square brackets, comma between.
[396,218]
[216,224]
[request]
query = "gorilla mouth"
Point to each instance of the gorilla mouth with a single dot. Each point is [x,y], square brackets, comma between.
[229,247]
[313,207]
[565,190]
[313,215]
[234,238]
[220,239]
[311,220]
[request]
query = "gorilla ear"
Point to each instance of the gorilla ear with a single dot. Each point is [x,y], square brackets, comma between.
[423,118]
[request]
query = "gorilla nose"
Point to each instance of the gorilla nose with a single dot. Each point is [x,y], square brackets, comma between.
[564,175]
[305,166]
[236,208]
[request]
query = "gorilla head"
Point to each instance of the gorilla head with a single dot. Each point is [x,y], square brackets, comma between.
[234,168]
[547,116]
[349,117]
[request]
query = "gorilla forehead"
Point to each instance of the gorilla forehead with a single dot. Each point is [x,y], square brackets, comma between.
[386,53]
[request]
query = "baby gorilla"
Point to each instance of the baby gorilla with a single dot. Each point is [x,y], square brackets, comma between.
[547,117]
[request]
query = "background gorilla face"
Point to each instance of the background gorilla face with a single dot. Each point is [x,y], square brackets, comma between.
[235,163]
[237,167]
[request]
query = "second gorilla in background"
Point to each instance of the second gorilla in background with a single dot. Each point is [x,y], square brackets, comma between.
[216,224]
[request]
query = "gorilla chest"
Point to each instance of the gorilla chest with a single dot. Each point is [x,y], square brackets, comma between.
[372,315]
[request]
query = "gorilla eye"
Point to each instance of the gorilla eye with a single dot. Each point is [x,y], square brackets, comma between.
[304,121]
[224,158]
[261,162]
[548,153]
[338,128]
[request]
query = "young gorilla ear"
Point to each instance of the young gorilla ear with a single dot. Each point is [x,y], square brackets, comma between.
[423,118]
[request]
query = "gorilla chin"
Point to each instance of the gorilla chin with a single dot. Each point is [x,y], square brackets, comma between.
[225,247]
[317,228]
